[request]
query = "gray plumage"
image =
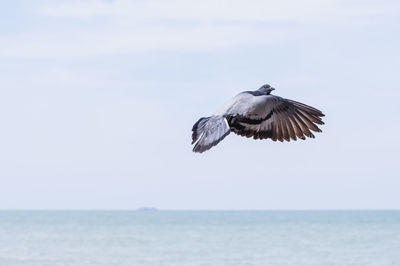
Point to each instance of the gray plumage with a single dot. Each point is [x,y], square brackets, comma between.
[260,115]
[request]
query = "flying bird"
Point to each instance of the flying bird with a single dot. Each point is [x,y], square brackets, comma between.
[260,115]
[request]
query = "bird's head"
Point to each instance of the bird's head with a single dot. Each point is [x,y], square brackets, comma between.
[267,89]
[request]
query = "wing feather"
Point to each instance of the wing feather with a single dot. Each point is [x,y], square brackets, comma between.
[296,127]
[284,128]
[270,116]
[307,121]
[310,117]
[279,133]
[292,135]
[310,109]
[303,126]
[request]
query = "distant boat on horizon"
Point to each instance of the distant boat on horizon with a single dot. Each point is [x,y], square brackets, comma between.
[147,209]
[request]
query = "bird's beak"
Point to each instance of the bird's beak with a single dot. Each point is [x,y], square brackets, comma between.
[272,89]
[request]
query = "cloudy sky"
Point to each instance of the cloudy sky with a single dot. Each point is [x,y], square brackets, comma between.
[97,101]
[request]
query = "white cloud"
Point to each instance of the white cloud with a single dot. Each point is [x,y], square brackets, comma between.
[136,26]
[119,41]
[208,10]
[192,10]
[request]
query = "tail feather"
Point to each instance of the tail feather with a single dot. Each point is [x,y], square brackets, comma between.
[208,132]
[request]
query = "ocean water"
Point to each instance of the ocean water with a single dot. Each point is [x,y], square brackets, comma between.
[129,238]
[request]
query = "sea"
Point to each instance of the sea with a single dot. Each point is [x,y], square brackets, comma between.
[150,237]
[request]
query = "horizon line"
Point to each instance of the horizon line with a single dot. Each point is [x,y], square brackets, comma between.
[199,210]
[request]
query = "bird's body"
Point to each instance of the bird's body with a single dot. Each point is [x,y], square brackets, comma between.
[260,115]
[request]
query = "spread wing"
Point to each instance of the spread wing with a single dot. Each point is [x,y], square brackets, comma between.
[273,117]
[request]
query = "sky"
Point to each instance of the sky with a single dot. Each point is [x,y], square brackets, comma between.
[98,98]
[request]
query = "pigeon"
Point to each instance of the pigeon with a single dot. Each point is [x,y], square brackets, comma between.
[260,115]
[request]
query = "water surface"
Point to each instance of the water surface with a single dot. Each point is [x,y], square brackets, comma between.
[271,238]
